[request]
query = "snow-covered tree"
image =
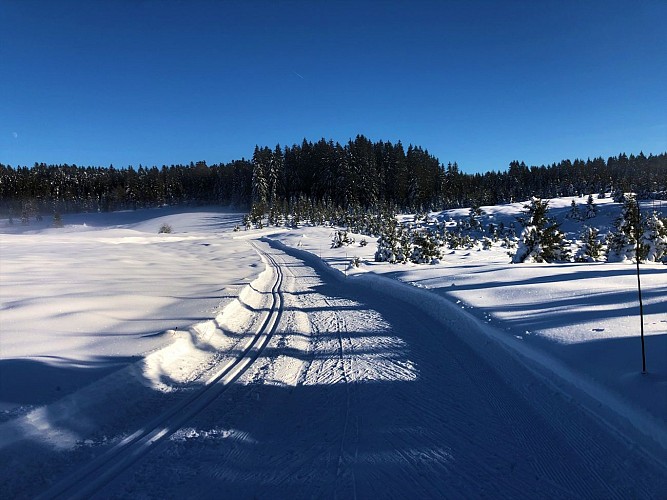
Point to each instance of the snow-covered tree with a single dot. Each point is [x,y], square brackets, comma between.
[275,216]
[341,238]
[655,238]
[508,243]
[618,196]
[388,244]
[454,239]
[487,243]
[540,240]
[260,184]
[426,248]
[591,207]
[58,220]
[622,242]
[28,210]
[592,249]
[475,215]
[574,213]
[394,243]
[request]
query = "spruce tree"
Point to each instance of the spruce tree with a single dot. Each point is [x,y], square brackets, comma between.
[391,243]
[574,213]
[260,185]
[622,242]
[618,196]
[591,207]
[340,239]
[57,220]
[592,249]
[540,240]
[426,249]
[655,238]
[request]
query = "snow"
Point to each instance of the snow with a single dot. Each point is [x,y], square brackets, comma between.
[106,324]
[581,318]
[100,294]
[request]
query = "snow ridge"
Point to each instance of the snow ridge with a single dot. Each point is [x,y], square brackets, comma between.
[196,368]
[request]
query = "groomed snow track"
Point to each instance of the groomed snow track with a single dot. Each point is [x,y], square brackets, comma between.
[354,388]
[89,479]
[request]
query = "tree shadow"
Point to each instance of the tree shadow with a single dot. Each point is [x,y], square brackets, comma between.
[592,308]
[410,409]
[47,379]
[578,274]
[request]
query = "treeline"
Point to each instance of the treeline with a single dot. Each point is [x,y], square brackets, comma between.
[366,174]
[70,188]
[359,173]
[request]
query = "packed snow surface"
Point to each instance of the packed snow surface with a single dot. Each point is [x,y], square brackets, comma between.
[261,363]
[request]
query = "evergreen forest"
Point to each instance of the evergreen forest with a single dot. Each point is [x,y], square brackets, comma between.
[361,173]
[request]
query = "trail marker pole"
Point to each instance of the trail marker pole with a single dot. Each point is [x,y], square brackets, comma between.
[641,317]
[638,235]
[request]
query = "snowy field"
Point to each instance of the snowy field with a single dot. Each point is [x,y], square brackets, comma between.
[580,320]
[107,325]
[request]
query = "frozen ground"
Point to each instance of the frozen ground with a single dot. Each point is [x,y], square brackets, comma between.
[481,379]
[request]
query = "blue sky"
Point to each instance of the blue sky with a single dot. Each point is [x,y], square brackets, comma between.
[478,82]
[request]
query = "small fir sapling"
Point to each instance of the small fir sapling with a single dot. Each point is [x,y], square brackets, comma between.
[426,249]
[622,242]
[540,240]
[391,243]
[591,207]
[655,238]
[341,238]
[592,249]
[486,243]
[574,213]
[618,196]
[57,220]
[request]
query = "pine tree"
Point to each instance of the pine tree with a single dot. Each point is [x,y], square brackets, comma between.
[426,249]
[655,238]
[540,241]
[592,249]
[574,213]
[57,220]
[341,238]
[260,186]
[273,175]
[391,243]
[28,210]
[487,243]
[591,207]
[474,217]
[622,242]
[618,196]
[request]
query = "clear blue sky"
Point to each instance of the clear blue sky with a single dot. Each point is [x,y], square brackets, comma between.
[478,82]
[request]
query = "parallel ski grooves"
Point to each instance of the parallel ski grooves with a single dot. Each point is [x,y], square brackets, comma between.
[89,479]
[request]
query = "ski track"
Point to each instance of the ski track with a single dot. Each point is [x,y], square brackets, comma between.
[358,395]
[327,387]
[91,479]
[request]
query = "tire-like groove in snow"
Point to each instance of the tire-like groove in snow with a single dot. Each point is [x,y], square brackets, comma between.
[89,479]
[348,379]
